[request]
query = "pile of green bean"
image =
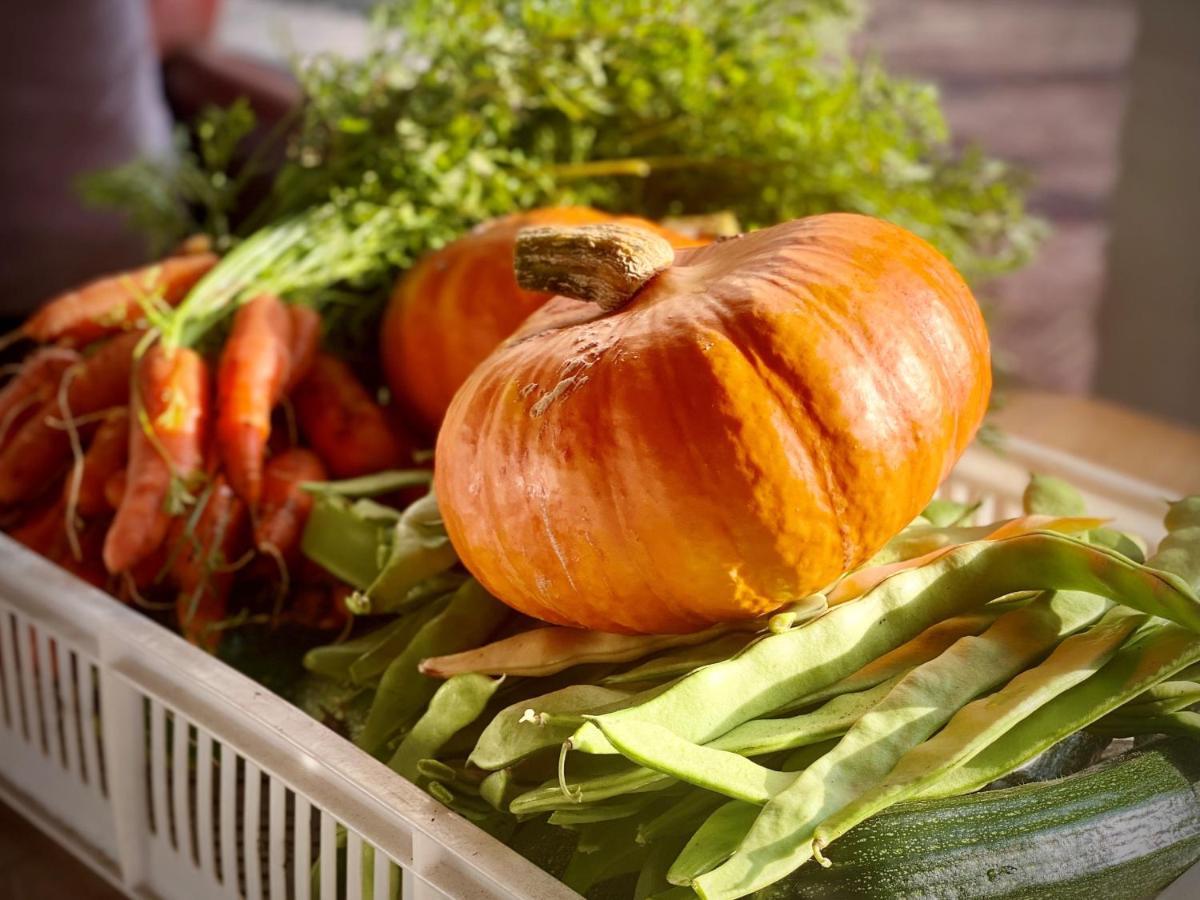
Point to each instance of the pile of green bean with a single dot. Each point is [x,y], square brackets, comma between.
[719,763]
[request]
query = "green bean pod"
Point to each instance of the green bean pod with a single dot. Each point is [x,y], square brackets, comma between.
[715,841]
[717,698]
[336,660]
[979,723]
[524,728]
[943,513]
[833,719]
[1153,654]
[683,660]
[420,549]
[620,808]
[1128,545]
[1047,495]
[752,738]
[344,538]
[604,851]
[470,616]
[374,662]
[1167,697]
[1179,551]
[1183,723]
[547,651]
[783,836]
[722,771]
[627,779]
[678,818]
[652,879]
[454,706]
[931,642]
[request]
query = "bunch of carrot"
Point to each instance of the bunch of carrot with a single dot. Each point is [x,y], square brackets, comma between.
[126,460]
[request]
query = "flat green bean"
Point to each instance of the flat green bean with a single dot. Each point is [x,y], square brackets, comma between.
[420,549]
[436,770]
[547,651]
[1179,551]
[374,662]
[683,660]
[498,789]
[344,538]
[1153,654]
[1046,495]
[925,646]
[678,818]
[652,879]
[833,719]
[803,757]
[517,731]
[604,851]
[620,808]
[715,841]
[782,837]
[721,771]
[1183,723]
[860,581]
[470,616]
[1167,697]
[335,660]
[626,780]
[942,513]
[752,738]
[978,724]
[781,668]
[454,705]
[1125,544]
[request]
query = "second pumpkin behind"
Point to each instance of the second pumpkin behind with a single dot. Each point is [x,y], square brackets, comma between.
[456,305]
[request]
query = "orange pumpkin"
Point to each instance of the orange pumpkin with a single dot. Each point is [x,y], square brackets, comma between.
[761,416]
[458,304]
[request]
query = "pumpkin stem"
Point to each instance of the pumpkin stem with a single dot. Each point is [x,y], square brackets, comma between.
[602,264]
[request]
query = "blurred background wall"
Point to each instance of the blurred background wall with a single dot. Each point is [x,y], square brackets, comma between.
[1100,100]
[1150,315]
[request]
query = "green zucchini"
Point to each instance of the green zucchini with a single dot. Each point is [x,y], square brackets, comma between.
[1124,828]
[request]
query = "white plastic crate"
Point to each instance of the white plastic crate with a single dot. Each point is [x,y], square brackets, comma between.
[174,776]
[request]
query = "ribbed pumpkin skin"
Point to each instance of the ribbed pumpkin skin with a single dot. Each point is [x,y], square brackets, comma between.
[762,416]
[458,304]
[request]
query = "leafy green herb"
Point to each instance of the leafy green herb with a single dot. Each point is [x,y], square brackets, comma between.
[195,191]
[674,107]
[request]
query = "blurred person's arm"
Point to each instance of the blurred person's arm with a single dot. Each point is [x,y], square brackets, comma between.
[179,24]
[80,90]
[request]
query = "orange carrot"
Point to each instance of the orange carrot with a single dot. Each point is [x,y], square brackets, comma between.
[285,505]
[114,486]
[42,448]
[147,574]
[32,386]
[343,423]
[166,450]
[113,303]
[306,340]
[201,567]
[105,456]
[250,380]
